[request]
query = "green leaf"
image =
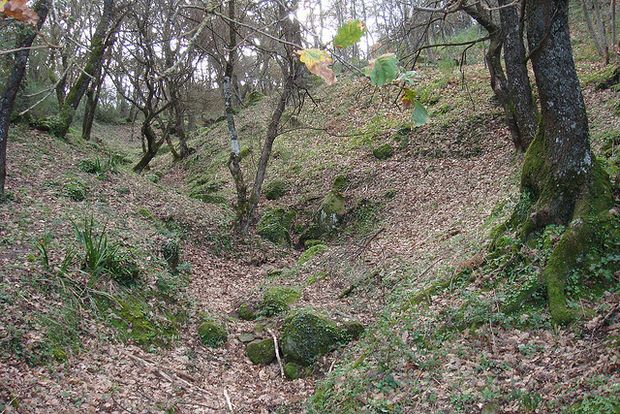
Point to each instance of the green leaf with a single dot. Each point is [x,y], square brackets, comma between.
[419,116]
[408,77]
[384,69]
[349,34]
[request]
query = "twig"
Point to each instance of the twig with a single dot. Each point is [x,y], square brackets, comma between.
[120,406]
[230,407]
[275,343]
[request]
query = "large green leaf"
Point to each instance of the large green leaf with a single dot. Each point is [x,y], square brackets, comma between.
[349,34]
[384,69]
[419,116]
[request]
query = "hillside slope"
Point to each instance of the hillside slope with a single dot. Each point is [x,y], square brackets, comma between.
[408,261]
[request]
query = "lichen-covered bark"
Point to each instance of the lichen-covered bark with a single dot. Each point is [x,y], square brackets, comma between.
[562,183]
[560,165]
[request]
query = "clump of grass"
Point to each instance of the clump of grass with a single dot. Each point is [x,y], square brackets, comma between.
[100,167]
[74,189]
[102,257]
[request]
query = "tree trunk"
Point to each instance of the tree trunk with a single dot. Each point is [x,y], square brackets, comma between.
[7,99]
[598,43]
[152,146]
[493,60]
[93,67]
[517,78]
[562,183]
[90,110]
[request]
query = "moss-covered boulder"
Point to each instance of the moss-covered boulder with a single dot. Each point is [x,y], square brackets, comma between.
[310,252]
[277,299]
[383,152]
[294,371]
[246,312]
[261,352]
[275,226]
[340,183]
[327,218]
[212,333]
[306,336]
[275,190]
[331,212]
[353,329]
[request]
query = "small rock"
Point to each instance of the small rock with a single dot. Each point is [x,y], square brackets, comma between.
[247,337]
[294,371]
[261,351]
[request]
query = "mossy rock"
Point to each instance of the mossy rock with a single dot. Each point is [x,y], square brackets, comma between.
[340,183]
[275,190]
[353,329]
[306,336]
[246,312]
[311,252]
[212,333]
[333,204]
[383,152]
[276,299]
[295,371]
[331,212]
[261,352]
[275,225]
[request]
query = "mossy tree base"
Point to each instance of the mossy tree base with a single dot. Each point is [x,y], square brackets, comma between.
[581,203]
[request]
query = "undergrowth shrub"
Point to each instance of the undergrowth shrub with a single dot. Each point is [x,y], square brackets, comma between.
[102,257]
[74,189]
[100,167]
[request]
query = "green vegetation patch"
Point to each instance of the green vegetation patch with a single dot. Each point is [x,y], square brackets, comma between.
[212,333]
[275,190]
[275,226]
[306,335]
[277,299]
[311,252]
[383,152]
[261,352]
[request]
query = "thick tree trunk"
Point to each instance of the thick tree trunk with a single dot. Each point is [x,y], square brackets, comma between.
[561,183]
[93,67]
[7,99]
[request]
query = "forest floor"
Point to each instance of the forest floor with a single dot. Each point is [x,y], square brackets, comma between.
[420,217]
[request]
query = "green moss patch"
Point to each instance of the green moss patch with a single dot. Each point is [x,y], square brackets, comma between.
[383,152]
[261,352]
[212,334]
[311,252]
[275,190]
[306,336]
[277,299]
[275,226]
[295,371]
[246,312]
